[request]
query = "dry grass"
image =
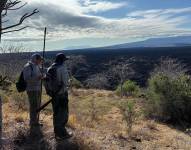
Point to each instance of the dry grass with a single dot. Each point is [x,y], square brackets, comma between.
[108,131]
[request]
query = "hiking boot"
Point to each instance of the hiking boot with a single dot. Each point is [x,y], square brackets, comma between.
[65,136]
[40,125]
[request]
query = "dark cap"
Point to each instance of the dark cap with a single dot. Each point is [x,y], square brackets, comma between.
[60,57]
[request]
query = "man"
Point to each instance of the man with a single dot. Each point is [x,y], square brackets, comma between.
[59,95]
[33,76]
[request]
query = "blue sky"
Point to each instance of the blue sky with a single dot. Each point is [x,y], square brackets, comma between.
[94,23]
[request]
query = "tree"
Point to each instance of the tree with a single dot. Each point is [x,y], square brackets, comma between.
[122,71]
[12,5]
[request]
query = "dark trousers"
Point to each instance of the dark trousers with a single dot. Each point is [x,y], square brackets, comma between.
[60,113]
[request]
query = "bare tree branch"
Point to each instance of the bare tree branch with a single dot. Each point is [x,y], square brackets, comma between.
[15,30]
[17,7]
[12,5]
[25,16]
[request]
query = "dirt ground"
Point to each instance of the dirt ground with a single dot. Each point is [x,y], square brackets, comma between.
[106,132]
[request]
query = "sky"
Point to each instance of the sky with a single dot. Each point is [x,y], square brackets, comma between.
[96,23]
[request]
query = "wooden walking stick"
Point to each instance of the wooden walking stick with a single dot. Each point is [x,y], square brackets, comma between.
[43,55]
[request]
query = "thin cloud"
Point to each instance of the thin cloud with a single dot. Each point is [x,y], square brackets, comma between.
[72,19]
[100,6]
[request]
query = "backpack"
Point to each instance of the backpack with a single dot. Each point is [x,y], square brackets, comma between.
[21,84]
[52,86]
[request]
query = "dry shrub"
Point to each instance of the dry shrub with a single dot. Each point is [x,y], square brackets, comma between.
[75,93]
[151,125]
[100,94]
[72,121]
[93,110]
[111,94]
[20,100]
[142,134]
[21,117]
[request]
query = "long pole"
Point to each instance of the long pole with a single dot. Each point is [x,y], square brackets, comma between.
[43,55]
[1,123]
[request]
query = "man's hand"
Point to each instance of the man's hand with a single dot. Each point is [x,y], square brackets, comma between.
[41,77]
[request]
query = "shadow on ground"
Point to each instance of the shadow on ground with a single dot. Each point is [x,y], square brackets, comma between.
[37,141]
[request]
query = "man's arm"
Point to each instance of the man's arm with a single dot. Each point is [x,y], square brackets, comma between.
[65,77]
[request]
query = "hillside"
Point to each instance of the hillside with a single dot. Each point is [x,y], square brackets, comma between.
[100,60]
[144,59]
[107,131]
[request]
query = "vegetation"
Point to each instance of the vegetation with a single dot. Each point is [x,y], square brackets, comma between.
[121,73]
[129,114]
[97,81]
[101,118]
[129,88]
[75,83]
[169,93]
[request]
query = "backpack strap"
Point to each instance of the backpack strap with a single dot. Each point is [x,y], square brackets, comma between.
[31,69]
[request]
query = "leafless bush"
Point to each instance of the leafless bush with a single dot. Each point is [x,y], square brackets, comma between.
[12,60]
[122,72]
[170,67]
[75,64]
[93,110]
[97,81]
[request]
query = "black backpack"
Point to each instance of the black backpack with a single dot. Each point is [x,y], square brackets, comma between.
[21,84]
[51,84]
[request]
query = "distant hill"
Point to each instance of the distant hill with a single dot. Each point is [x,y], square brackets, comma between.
[177,41]
[78,47]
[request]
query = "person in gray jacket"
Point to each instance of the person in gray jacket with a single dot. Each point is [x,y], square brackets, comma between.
[33,76]
[60,96]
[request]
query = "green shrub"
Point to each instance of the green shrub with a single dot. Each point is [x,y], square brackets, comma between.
[76,83]
[129,114]
[129,88]
[169,98]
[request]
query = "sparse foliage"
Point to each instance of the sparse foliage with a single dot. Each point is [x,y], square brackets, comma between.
[129,114]
[12,60]
[93,110]
[97,81]
[75,64]
[170,67]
